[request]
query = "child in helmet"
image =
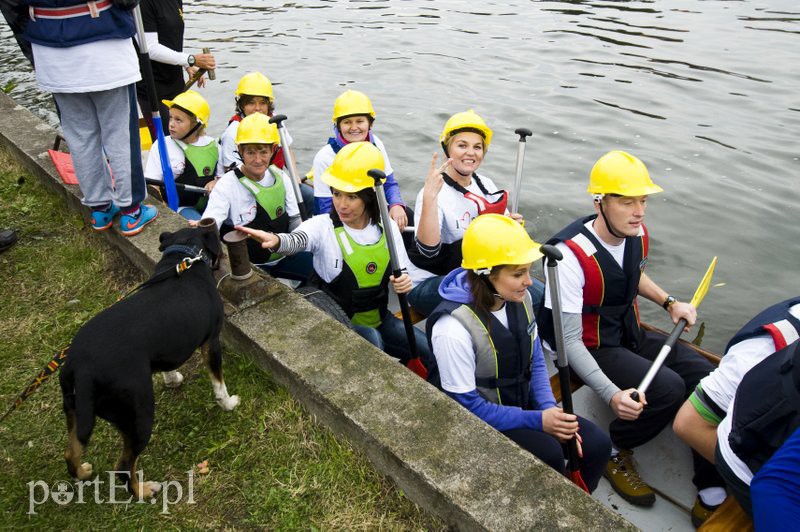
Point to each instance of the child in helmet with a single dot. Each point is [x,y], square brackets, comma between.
[353,116]
[487,354]
[351,258]
[257,194]
[454,194]
[193,155]
[254,95]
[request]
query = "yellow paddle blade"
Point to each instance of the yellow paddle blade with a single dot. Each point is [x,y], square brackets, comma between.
[701,291]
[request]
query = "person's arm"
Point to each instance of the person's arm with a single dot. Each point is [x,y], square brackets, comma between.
[650,290]
[428,232]
[498,416]
[397,209]
[699,433]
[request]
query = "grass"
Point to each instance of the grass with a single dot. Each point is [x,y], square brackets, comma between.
[271,465]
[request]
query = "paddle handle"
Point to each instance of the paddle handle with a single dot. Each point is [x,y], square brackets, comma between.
[383,207]
[523,134]
[659,361]
[152,97]
[291,168]
[180,186]
[212,74]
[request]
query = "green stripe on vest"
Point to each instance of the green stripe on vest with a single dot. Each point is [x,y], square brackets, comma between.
[368,264]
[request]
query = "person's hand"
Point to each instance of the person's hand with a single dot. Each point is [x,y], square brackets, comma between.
[556,423]
[683,310]
[205,61]
[517,217]
[210,186]
[401,285]
[398,214]
[268,240]
[191,71]
[626,408]
[194,223]
[434,181]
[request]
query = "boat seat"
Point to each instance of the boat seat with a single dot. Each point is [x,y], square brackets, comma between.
[416,317]
[729,516]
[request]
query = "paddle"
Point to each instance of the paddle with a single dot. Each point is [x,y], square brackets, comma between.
[179,186]
[414,364]
[152,97]
[290,166]
[212,74]
[699,294]
[523,133]
[553,255]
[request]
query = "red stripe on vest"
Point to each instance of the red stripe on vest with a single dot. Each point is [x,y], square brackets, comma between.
[777,336]
[593,293]
[67,11]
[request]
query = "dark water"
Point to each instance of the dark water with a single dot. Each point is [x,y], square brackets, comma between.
[705,92]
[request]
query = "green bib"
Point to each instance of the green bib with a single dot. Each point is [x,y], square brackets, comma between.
[272,198]
[368,264]
[203,158]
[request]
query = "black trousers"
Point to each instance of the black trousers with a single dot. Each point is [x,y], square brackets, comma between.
[672,385]
[596,449]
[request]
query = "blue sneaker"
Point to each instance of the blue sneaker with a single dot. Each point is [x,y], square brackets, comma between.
[130,225]
[101,220]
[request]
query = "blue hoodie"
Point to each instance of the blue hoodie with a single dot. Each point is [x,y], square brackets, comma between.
[455,287]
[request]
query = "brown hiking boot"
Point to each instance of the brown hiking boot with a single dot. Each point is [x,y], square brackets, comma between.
[625,480]
[701,511]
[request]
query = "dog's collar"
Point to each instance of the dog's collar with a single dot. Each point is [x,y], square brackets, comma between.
[195,253]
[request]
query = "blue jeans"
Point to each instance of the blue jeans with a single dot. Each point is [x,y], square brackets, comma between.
[190,213]
[390,337]
[295,267]
[424,297]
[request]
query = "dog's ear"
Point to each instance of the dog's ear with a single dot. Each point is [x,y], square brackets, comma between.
[166,239]
[212,244]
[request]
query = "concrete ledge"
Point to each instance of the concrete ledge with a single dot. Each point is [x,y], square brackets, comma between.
[445,459]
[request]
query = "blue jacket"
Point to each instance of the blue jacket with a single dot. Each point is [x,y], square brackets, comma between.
[111,23]
[455,288]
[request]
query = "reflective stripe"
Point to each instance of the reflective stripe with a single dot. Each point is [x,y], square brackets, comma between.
[783,333]
[92,9]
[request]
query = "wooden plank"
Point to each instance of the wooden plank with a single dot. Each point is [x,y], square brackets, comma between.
[729,516]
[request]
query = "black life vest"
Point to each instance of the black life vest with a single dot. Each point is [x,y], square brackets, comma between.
[776,320]
[610,314]
[766,410]
[503,358]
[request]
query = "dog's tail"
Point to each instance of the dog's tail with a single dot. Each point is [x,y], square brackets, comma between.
[41,378]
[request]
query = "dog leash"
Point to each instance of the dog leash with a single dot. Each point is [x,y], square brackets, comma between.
[58,361]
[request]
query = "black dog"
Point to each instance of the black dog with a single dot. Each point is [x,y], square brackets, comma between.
[112,357]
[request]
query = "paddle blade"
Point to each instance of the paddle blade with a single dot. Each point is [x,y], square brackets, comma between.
[416,365]
[701,291]
[577,479]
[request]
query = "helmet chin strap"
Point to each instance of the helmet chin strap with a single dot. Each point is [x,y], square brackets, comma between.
[608,223]
[197,126]
[485,278]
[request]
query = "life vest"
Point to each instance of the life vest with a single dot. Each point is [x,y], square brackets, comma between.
[503,356]
[66,23]
[610,314]
[277,158]
[271,213]
[485,206]
[200,170]
[361,289]
[776,320]
[766,410]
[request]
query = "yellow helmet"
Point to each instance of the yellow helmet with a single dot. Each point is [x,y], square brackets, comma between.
[256,129]
[348,172]
[619,172]
[495,240]
[466,121]
[351,103]
[255,84]
[194,103]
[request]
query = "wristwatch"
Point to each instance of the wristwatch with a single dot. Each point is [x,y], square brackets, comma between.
[668,302]
[190,60]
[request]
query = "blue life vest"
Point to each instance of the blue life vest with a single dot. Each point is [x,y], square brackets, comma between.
[66,31]
[776,320]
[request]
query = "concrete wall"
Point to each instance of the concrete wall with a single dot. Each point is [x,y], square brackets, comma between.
[445,459]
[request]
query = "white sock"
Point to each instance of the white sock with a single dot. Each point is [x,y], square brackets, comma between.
[712,496]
